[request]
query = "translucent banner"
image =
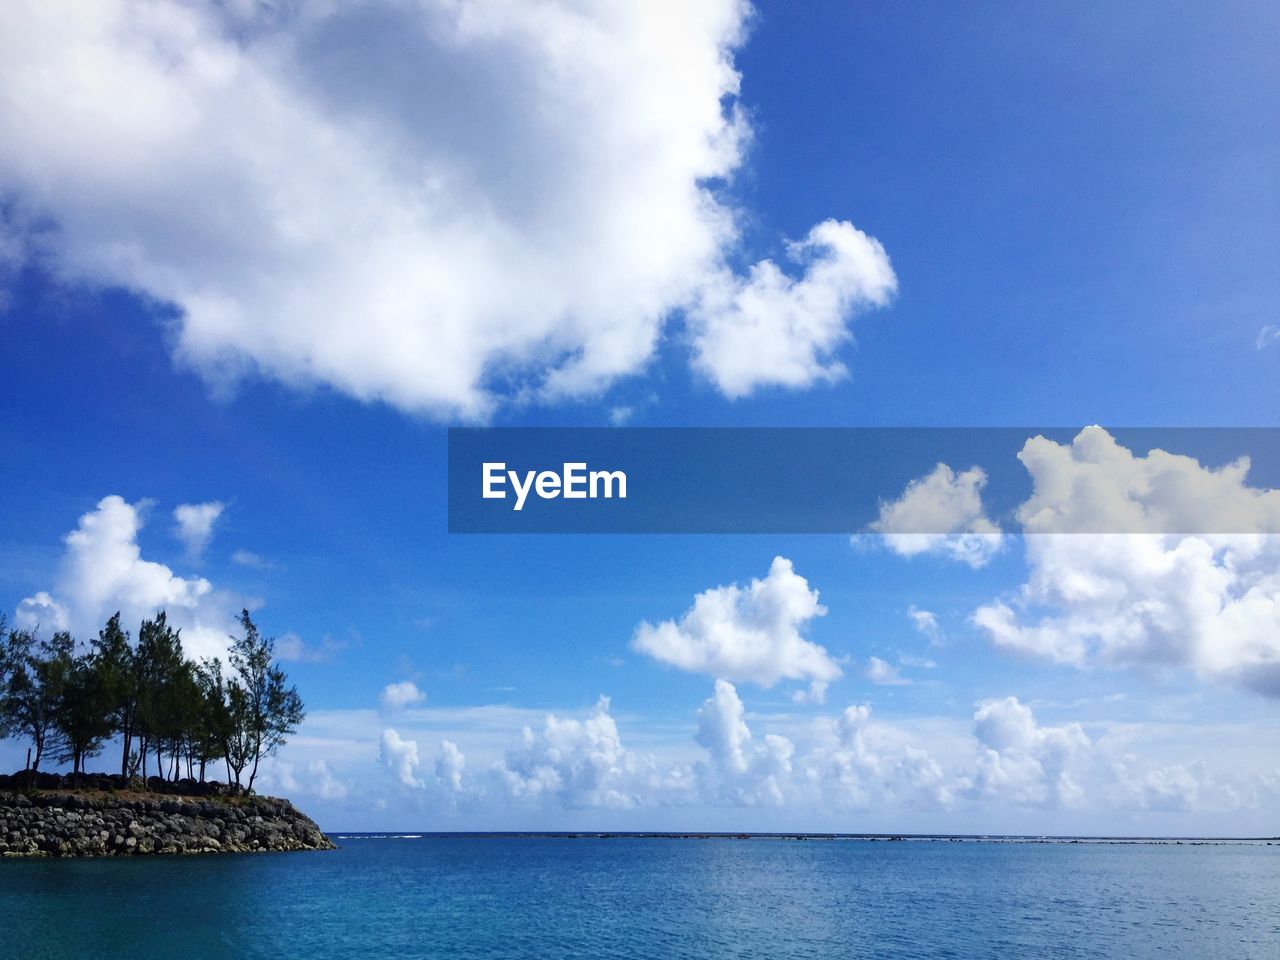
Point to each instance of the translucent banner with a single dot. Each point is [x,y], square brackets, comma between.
[898,481]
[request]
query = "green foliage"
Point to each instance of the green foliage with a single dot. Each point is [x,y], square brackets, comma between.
[82,713]
[69,701]
[118,675]
[266,710]
[29,701]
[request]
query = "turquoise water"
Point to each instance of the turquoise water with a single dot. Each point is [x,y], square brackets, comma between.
[473,897]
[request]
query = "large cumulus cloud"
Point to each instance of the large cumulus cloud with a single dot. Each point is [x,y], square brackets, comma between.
[1146,597]
[103,571]
[431,203]
[750,632]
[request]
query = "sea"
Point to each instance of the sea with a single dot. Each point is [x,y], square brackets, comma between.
[477,897]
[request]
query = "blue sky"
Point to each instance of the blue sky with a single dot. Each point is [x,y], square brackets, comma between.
[1080,210]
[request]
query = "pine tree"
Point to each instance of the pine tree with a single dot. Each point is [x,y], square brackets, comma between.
[183,715]
[267,710]
[119,681]
[158,665]
[82,715]
[31,691]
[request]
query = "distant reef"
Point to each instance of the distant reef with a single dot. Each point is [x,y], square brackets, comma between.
[101,816]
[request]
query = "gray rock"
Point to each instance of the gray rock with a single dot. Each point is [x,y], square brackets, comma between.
[64,824]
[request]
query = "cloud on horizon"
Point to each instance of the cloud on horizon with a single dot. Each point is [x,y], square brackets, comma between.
[1006,760]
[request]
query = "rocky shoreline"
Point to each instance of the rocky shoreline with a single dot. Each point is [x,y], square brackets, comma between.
[105,824]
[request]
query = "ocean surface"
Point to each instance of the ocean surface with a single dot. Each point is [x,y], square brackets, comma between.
[675,899]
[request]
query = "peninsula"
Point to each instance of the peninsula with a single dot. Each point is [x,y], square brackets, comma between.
[191,720]
[106,816]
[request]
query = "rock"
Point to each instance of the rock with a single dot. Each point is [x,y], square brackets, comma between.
[58,823]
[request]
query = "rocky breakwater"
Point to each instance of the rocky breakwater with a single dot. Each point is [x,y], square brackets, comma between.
[93,824]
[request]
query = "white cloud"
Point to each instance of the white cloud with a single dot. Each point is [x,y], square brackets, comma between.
[313,778]
[438,205]
[747,633]
[1210,603]
[815,693]
[925,622]
[769,329]
[42,610]
[1095,485]
[885,674]
[742,770]
[565,763]
[924,663]
[722,730]
[862,765]
[997,768]
[450,765]
[397,696]
[941,513]
[246,558]
[1181,786]
[1267,336]
[571,763]
[292,648]
[102,571]
[400,756]
[195,525]
[1022,762]
[575,763]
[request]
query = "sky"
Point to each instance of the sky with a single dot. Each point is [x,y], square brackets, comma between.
[256,259]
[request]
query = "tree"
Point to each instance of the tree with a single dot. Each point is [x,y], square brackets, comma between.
[240,739]
[8,665]
[158,667]
[212,718]
[182,715]
[265,710]
[31,691]
[6,671]
[82,715]
[117,670]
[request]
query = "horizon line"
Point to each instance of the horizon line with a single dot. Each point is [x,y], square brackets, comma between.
[786,835]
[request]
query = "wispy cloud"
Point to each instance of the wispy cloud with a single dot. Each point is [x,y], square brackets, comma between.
[246,558]
[195,523]
[885,674]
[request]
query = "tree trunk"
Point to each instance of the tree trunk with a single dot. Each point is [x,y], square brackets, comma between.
[257,755]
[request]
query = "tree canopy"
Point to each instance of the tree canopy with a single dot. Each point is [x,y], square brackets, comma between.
[70,700]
